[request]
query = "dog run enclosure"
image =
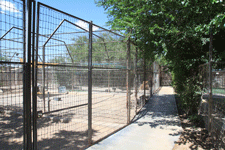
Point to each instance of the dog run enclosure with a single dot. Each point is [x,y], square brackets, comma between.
[66,83]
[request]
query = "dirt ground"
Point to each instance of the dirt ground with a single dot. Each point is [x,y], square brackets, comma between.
[66,129]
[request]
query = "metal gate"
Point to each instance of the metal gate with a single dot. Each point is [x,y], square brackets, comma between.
[62,79]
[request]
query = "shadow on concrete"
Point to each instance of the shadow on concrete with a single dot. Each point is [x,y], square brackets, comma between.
[161,110]
[65,140]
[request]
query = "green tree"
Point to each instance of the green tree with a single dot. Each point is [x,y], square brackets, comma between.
[178,31]
[64,75]
[79,50]
[104,49]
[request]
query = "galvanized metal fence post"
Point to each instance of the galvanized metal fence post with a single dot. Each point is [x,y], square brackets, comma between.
[128,81]
[210,102]
[27,78]
[90,86]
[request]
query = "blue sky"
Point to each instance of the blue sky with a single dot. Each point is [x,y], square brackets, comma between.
[11,14]
[85,9]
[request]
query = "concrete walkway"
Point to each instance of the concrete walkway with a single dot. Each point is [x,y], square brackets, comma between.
[156,127]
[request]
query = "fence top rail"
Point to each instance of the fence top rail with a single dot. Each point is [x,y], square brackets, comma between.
[39,3]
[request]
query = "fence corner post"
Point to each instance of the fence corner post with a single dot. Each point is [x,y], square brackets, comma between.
[90,86]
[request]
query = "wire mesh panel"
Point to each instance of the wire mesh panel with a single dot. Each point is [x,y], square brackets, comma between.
[218,78]
[133,79]
[148,83]
[166,78]
[109,111]
[109,92]
[62,80]
[218,97]
[144,82]
[204,86]
[140,90]
[204,77]
[11,72]
[141,83]
[133,95]
[156,77]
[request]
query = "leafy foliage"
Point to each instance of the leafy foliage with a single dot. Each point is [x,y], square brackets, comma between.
[106,48]
[175,30]
[64,75]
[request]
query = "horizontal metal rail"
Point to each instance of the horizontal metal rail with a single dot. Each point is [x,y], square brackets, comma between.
[49,112]
[11,40]
[107,68]
[62,65]
[9,62]
[71,65]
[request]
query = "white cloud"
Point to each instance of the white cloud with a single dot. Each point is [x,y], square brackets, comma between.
[85,25]
[82,24]
[8,6]
[95,28]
